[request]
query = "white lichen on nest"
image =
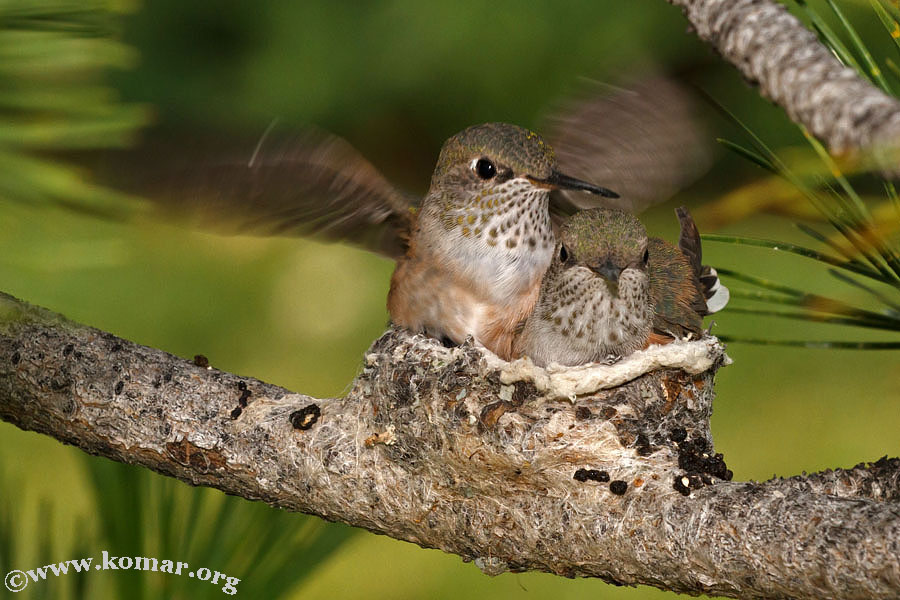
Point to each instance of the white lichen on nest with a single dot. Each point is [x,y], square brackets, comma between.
[692,356]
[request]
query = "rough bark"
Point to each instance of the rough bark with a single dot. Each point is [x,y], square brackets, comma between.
[772,49]
[602,472]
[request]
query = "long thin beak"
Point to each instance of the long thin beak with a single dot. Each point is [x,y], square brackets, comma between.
[558,181]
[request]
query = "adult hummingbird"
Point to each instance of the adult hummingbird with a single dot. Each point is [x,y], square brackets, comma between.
[611,290]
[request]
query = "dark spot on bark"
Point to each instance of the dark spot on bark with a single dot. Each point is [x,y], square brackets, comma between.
[401,394]
[643,445]
[523,390]
[115,347]
[700,466]
[201,361]
[245,394]
[199,459]
[678,435]
[618,487]
[591,475]
[68,349]
[626,437]
[583,413]
[306,417]
[491,413]
[236,412]
[119,387]
[681,485]
[447,342]
[16,357]
[69,407]
[609,412]
[167,376]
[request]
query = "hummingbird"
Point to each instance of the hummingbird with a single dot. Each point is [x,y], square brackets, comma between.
[470,253]
[610,290]
[483,238]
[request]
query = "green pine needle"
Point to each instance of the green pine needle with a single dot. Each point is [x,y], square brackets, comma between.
[55,58]
[817,344]
[871,67]
[816,317]
[749,155]
[894,308]
[829,37]
[849,265]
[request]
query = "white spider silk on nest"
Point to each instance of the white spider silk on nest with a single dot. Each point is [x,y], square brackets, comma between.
[693,356]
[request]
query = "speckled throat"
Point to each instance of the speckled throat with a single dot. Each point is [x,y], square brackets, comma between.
[579,320]
[502,235]
[475,265]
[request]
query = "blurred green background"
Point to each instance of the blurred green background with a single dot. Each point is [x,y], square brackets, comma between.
[395,79]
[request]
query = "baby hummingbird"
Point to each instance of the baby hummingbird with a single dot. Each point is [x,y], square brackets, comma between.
[595,302]
[611,290]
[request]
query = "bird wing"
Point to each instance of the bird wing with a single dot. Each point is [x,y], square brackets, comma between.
[714,291]
[679,305]
[644,143]
[689,239]
[312,183]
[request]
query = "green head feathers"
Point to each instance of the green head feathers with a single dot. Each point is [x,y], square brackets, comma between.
[605,234]
[521,150]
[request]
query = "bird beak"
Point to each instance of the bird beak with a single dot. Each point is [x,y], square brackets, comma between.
[558,181]
[607,271]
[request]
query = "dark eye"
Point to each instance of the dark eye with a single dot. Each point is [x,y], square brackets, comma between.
[484,168]
[563,254]
[646,256]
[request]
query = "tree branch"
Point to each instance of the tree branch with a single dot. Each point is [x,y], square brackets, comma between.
[773,50]
[570,471]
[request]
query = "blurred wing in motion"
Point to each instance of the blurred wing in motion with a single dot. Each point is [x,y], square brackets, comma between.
[643,142]
[312,183]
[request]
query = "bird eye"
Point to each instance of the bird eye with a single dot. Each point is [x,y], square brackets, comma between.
[563,254]
[646,256]
[484,168]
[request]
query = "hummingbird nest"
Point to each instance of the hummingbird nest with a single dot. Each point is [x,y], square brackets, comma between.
[585,436]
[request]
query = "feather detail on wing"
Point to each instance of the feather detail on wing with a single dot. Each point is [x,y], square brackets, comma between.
[311,183]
